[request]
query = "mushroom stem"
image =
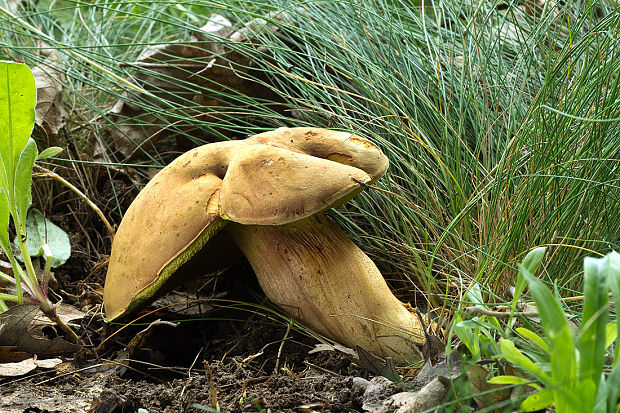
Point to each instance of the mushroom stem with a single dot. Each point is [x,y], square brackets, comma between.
[312,270]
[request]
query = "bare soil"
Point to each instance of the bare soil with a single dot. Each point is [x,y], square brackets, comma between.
[235,374]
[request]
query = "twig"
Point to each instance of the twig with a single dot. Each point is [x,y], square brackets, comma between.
[563,299]
[288,330]
[54,175]
[476,310]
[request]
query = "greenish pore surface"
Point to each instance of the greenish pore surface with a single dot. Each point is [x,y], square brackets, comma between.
[166,277]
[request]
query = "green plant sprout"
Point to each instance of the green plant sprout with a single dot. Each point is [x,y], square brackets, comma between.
[18,152]
[566,368]
[571,375]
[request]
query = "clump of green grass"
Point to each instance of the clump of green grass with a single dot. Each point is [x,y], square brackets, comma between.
[500,120]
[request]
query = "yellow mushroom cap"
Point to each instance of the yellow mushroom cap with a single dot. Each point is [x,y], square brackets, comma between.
[268,179]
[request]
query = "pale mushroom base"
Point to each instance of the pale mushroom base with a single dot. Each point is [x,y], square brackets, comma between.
[312,270]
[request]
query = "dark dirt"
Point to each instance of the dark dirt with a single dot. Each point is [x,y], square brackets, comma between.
[170,370]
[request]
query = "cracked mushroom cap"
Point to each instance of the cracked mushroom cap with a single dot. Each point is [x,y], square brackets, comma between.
[272,178]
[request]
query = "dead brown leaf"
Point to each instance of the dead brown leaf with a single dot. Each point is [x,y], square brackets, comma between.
[26,366]
[16,330]
[67,313]
[9,355]
[377,365]
[207,60]
[488,394]
[49,111]
[338,348]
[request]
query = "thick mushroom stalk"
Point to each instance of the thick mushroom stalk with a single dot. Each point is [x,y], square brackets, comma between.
[312,270]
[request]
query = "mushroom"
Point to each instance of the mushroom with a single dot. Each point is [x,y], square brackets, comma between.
[268,193]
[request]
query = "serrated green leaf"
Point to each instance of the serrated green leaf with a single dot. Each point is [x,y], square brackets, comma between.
[18,98]
[537,401]
[39,231]
[23,180]
[49,152]
[534,338]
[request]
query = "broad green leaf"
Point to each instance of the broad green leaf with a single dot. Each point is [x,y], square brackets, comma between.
[532,260]
[49,152]
[537,401]
[613,282]
[613,388]
[18,97]
[530,264]
[469,337]
[561,340]
[474,295]
[520,360]
[512,380]
[23,180]
[592,337]
[600,405]
[549,308]
[611,333]
[39,231]
[534,338]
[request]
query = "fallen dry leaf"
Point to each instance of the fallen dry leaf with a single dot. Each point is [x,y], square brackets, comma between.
[49,111]
[487,394]
[377,365]
[16,330]
[9,355]
[67,313]
[168,71]
[26,366]
[338,348]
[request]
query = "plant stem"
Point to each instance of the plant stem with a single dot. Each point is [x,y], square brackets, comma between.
[35,288]
[6,297]
[18,277]
[71,336]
